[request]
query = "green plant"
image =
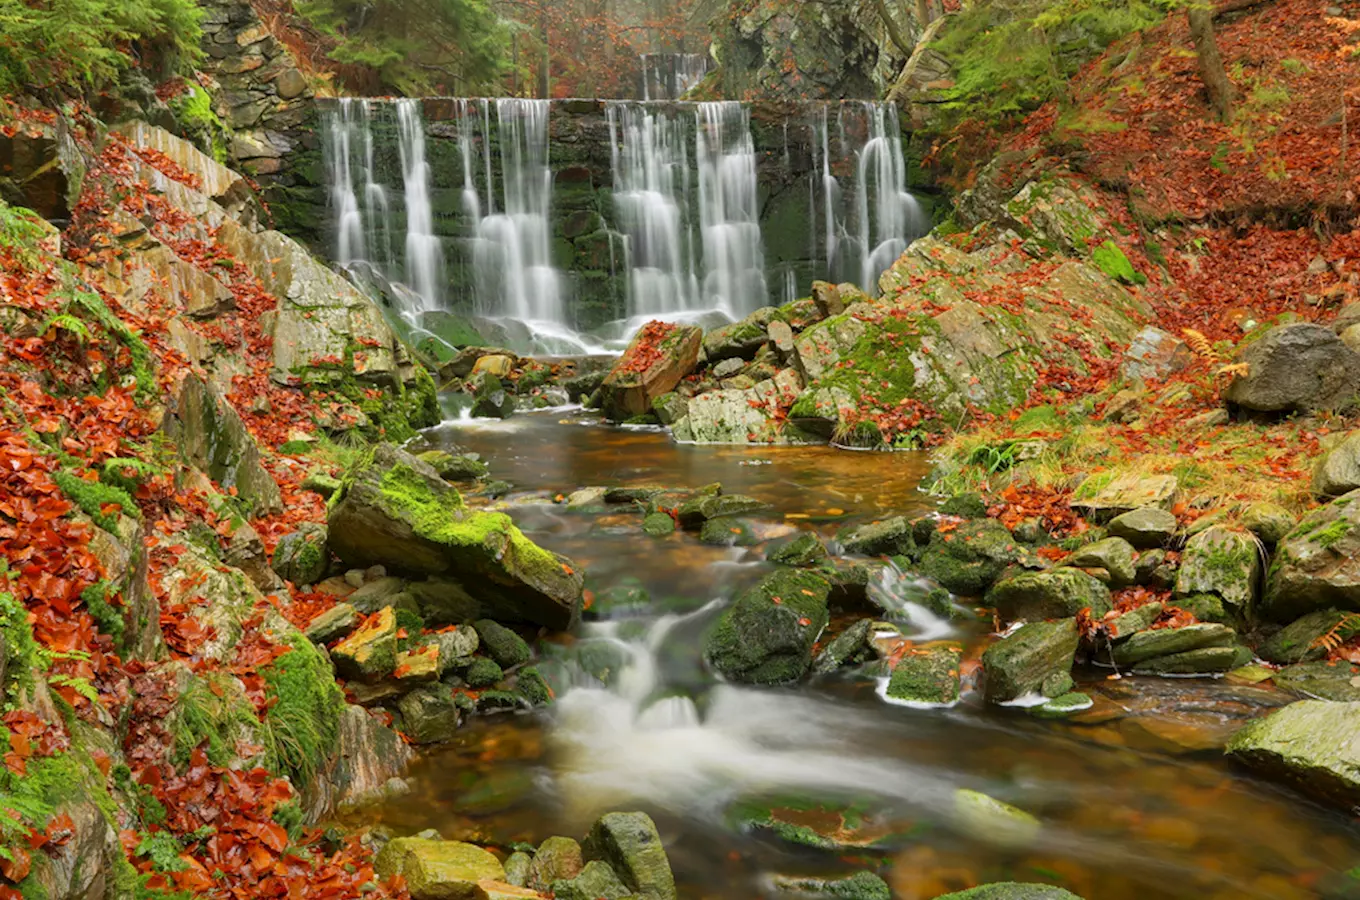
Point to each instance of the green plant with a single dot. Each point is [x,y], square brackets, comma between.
[93,496]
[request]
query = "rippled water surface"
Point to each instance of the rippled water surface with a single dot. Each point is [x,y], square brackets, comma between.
[1134,798]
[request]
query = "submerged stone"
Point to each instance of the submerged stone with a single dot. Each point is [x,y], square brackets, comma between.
[859,886]
[990,821]
[1011,890]
[810,823]
[1312,744]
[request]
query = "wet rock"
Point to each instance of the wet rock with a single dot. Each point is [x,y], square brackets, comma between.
[1102,498]
[597,881]
[808,823]
[1317,565]
[992,822]
[654,363]
[1221,562]
[483,673]
[418,665]
[927,677]
[1312,744]
[729,531]
[767,636]
[658,524]
[380,593]
[803,550]
[501,644]
[619,600]
[1298,641]
[335,622]
[1146,645]
[454,468]
[1324,680]
[970,558]
[670,408]
[491,398]
[533,687]
[1153,569]
[1048,595]
[850,646]
[369,654]
[859,886]
[1020,664]
[1269,522]
[1011,890]
[1064,705]
[429,714]
[694,512]
[1115,555]
[587,500]
[517,866]
[455,647]
[1135,620]
[1296,367]
[890,537]
[397,511]
[438,870]
[211,436]
[1204,661]
[557,859]
[629,843]
[740,340]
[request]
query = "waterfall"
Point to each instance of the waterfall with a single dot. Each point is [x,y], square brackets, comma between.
[734,258]
[360,214]
[651,197]
[866,231]
[424,254]
[669,76]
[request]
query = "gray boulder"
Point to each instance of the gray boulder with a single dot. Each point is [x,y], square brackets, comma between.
[767,636]
[1338,471]
[1312,744]
[1023,662]
[1300,367]
[1145,528]
[1221,562]
[1317,565]
[630,844]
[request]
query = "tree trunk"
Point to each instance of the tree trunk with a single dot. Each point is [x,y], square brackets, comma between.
[1221,92]
[924,14]
[894,33]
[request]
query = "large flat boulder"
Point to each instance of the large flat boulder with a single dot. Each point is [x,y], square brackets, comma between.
[1312,744]
[1317,565]
[211,436]
[438,870]
[1222,562]
[395,511]
[1296,368]
[1036,658]
[660,355]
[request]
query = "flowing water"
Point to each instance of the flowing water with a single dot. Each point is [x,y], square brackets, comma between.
[1133,795]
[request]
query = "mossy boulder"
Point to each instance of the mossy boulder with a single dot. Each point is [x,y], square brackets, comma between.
[658,524]
[1321,680]
[1115,555]
[557,859]
[1147,645]
[1298,641]
[370,652]
[1312,744]
[805,549]
[334,623]
[396,511]
[693,513]
[767,636]
[1145,528]
[859,886]
[927,677]
[451,467]
[890,537]
[491,398]
[1011,890]
[1023,662]
[429,714]
[848,647]
[483,673]
[506,647]
[438,870]
[1297,367]
[1317,565]
[1222,562]
[302,556]
[630,844]
[210,435]
[1202,661]
[597,880]
[1268,521]
[1054,594]
[968,559]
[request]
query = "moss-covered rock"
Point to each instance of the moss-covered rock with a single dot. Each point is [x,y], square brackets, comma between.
[557,859]
[1312,744]
[1011,890]
[483,673]
[1115,555]
[658,524]
[1147,645]
[1299,641]
[968,559]
[992,822]
[1021,663]
[928,677]
[1201,661]
[211,436]
[506,647]
[729,531]
[303,556]
[596,881]
[803,550]
[397,511]
[1317,565]
[370,653]
[438,870]
[849,647]
[840,827]
[890,537]
[1221,562]
[1321,680]
[767,636]
[1048,595]
[1145,528]
[462,467]
[630,844]
[1270,522]
[429,714]
[693,513]
[859,886]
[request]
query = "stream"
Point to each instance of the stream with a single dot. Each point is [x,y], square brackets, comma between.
[1133,795]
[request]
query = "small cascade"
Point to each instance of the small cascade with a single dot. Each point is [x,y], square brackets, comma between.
[669,76]
[358,201]
[869,220]
[734,258]
[424,253]
[651,197]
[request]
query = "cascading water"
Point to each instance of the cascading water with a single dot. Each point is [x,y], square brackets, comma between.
[734,257]
[358,201]
[865,228]
[424,254]
[651,197]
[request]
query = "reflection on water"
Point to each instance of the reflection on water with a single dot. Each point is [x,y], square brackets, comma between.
[1134,799]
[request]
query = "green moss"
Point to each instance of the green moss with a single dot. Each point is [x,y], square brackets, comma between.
[93,496]
[1332,533]
[25,659]
[1112,261]
[304,718]
[107,617]
[213,713]
[193,108]
[483,673]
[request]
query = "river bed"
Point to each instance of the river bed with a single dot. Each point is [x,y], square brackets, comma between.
[1133,794]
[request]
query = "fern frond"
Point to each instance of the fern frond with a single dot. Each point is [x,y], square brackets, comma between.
[1199,343]
[1345,629]
[66,322]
